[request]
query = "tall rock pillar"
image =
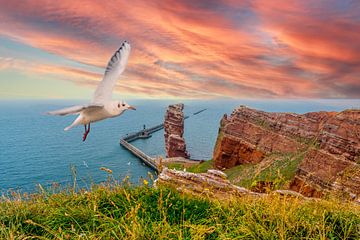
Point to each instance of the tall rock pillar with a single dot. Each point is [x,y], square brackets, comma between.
[174,130]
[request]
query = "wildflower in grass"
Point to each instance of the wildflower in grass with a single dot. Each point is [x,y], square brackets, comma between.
[29,221]
[109,171]
[55,185]
[146,182]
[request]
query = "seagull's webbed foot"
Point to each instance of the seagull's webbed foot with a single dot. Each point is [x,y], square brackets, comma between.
[87,130]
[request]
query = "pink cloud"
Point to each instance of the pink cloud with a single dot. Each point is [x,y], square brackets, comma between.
[199,49]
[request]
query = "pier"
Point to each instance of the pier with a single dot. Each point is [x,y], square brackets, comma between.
[151,162]
[196,113]
[143,134]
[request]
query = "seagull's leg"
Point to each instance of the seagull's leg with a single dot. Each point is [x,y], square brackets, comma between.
[85,133]
[87,130]
[84,136]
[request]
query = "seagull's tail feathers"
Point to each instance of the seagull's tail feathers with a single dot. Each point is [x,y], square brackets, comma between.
[77,121]
[68,128]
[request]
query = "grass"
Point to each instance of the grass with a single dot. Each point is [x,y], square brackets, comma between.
[279,169]
[262,123]
[195,168]
[202,167]
[126,212]
[177,166]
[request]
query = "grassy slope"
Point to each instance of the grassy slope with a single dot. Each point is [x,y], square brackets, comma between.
[195,168]
[277,168]
[147,213]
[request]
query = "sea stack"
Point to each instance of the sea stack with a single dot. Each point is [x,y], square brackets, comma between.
[174,130]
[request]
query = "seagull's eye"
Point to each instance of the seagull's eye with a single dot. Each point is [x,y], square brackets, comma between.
[119,105]
[123,105]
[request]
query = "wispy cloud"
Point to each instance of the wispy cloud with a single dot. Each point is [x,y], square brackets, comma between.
[196,49]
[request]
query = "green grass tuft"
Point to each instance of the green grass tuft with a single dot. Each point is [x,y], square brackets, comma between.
[195,168]
[279,169]
[202,167]
[123,212]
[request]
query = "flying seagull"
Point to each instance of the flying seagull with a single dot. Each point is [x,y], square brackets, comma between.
[102,106]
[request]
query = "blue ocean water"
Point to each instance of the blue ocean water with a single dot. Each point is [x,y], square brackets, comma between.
[34,149]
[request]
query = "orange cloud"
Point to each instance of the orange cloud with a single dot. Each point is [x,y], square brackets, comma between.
[198,49]
[320,39]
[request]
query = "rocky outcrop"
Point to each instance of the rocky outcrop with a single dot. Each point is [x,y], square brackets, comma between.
[212,183]
[174,130]
[330,142]
[340,135]
[318,172]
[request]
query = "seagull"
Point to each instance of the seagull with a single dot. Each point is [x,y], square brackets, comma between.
[102,106]
[85,164]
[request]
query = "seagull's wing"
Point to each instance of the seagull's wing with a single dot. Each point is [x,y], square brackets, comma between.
[74,109]
[113,70]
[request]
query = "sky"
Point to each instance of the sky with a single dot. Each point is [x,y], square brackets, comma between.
[182,49]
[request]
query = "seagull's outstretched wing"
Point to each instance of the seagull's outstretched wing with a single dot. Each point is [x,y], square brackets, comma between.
[113,70]
[74,109]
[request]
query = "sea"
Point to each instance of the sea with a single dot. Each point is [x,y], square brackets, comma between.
[35,151]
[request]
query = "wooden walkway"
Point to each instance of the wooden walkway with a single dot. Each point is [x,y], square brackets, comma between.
[145,133]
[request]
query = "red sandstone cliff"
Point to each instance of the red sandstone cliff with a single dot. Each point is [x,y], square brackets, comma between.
[329,141]
[174,129]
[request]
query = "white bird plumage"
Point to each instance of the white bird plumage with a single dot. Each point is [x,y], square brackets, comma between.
[102,105]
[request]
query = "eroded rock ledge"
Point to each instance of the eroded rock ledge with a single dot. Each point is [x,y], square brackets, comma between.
[330,142]
[174,130]
[212,183]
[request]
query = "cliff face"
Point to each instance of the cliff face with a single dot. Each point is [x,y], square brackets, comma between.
[174,129]
[329,143]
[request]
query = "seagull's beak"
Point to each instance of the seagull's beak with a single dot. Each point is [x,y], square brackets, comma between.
[132,108]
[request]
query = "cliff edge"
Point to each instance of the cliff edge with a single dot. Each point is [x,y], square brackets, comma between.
[317,151]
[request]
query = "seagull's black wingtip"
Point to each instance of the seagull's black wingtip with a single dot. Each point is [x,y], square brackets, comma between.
[123,44]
